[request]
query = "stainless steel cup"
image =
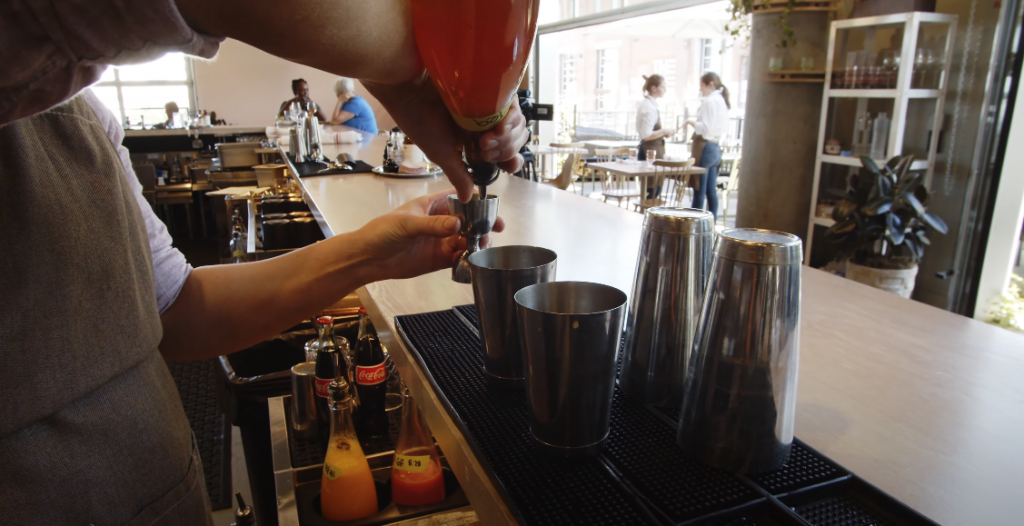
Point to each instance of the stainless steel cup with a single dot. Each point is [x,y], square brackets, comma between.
[498,274]
[478,217]
[570,333]
[668,288]
[304,399]
[739,398]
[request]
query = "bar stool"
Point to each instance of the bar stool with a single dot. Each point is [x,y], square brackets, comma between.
[616,186]
[171,195]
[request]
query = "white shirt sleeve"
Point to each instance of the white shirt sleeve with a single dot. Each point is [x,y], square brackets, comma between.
[170,269]
[712,117]
[646,118]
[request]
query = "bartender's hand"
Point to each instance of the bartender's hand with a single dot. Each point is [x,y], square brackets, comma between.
[416,238]
[419,111]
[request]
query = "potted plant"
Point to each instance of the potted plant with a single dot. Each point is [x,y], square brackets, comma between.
[881,224]
[739,18]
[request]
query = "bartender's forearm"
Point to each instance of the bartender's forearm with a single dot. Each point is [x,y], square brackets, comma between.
[222,309]
[371,40]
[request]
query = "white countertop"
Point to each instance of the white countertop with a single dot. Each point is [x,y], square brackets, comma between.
[925,404]
[206,130]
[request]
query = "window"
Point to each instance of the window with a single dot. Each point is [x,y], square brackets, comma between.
[707,50]
[607,76]
[567,86]
[137,94]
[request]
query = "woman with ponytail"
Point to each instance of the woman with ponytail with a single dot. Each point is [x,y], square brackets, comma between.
[648,120]
[710,127]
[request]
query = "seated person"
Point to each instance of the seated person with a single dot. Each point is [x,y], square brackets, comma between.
[300,88]
[351,109]
[171,108]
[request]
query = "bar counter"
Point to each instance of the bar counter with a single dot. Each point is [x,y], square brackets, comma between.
[925,404]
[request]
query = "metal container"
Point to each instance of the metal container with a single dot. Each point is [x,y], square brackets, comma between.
[304,417]
[306,231]
[570,332]
[477,219]
[238,154]
[739,400]
[273,206]
[278,234]
[297,147]
[270,175]
[668,287]
[296,204]
[498,274]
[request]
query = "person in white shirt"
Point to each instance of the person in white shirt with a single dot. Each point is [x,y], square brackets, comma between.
[710,127]
[648,120]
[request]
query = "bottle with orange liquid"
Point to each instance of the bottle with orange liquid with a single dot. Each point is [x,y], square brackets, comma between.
[476,53]
[416,476]
[347,490]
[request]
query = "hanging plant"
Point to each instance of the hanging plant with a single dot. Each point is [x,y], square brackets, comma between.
[739,18]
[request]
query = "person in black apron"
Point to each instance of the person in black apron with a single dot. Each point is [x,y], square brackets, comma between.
[710,126]
[93,431]
[648,124]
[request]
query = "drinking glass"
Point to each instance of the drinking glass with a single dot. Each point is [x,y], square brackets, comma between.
[633,153]
[775,64]
[806,64]
[651,157]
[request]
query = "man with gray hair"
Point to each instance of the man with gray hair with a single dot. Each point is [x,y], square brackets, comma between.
[351,109]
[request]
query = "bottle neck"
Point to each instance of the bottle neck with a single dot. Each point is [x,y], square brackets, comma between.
[326,338]
[341,419]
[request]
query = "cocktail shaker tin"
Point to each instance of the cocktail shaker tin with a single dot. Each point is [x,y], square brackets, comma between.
[739,399]
[668,287]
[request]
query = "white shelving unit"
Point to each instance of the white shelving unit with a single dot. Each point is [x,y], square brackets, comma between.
[847,34]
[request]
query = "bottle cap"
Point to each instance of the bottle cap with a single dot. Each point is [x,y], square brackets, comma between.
[324,320]
[362,310]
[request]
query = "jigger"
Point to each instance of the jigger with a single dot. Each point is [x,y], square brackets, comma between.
[477,218]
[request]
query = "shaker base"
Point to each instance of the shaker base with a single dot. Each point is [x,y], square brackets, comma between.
[719,456]
[569,452]
[504,382]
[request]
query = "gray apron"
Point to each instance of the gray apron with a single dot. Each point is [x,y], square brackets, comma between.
[92,429]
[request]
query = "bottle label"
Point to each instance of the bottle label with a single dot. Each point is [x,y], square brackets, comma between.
[331,472]
[483,123]
[371,375]
[322,385]
[412,463]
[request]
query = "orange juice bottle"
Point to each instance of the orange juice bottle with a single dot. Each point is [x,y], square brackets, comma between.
[416,476]
[347,491]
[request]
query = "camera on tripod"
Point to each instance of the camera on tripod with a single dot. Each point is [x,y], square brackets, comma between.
[533,111]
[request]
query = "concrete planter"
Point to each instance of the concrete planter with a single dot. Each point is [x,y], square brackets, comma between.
[899,282]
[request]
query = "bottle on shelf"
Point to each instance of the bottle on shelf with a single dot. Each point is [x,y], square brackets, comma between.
[328,369]
[347,489]
[880,138]
[416,476]
[371,389]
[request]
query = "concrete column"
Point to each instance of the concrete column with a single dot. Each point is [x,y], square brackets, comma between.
[780,135]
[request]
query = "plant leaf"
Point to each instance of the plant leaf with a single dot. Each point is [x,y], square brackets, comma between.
[935,222]
[922,195]
[842,227]
[896,235]
[911,200]
[893,163]
[878,206]
[843,209]
[923,238]
[884,186]
[915,251]
[869,164]
[908,183]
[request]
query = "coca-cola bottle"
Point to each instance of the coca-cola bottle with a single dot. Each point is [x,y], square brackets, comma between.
[371,373]
[328,368]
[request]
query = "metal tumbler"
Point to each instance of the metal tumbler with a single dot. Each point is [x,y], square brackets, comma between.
[304,399]
[498,274]
[668,288]
[739,399]
[570,333]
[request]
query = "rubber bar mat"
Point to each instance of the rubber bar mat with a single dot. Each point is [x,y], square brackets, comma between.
[201,395]
[661,483]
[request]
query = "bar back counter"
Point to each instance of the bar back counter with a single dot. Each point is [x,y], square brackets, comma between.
[926,405]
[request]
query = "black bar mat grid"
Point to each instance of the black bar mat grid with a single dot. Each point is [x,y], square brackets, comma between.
[546,492]
[469,313]
[310,451]
[200,392]
[641,450]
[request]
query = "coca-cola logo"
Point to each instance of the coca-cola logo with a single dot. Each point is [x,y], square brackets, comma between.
[322,386]
[371,375]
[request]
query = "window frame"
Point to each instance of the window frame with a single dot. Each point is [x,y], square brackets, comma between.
[118,84]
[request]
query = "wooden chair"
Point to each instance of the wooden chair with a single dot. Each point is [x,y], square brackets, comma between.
[730,185]
[615,186]
[565,177]
[671,178]
[561,153]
